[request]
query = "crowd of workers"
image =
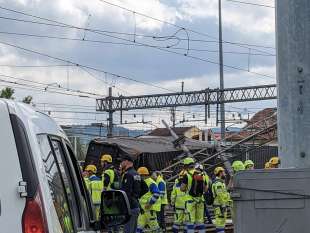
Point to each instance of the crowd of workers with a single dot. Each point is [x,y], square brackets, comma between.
[193,191]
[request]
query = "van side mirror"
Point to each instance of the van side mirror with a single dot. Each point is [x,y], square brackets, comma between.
[114,209]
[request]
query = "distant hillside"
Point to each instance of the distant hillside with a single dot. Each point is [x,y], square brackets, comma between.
[88,132]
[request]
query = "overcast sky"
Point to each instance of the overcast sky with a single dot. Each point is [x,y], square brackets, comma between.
[243,24]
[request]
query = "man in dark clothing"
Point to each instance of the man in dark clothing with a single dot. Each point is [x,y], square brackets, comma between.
[131,185]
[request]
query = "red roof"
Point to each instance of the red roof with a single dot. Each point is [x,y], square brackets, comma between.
[164,132]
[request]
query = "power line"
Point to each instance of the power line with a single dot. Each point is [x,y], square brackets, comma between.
[162,21]
[84,66]
[131,79]
[32,66]
[60,24]
[130,44]
[48,86]
[251,3]
[155,47]
[64,105]
[38,88]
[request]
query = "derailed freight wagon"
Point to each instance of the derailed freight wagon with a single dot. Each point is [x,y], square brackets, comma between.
[155,153]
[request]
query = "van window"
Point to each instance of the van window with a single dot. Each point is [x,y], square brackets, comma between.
[58,182]
[64,169]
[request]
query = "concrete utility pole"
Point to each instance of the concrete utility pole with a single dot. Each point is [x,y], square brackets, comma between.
[293,77]
[175,136]
[222,105]
[110,119]
[173,116]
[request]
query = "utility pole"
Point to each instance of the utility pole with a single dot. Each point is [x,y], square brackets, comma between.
[293,77]
[110,111]
[222,105]
[173,116]
[176,137]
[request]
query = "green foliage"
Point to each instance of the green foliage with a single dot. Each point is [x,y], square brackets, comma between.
[27,99]
[7,93]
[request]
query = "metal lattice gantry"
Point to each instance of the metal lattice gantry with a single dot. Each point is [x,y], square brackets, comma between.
[191,98]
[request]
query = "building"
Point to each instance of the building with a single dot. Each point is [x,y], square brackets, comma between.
[191,132]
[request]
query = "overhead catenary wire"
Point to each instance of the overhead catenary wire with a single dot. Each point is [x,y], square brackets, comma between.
[251,3]
[162,21]
[156,38]
[36,88]
[47,86]
[33,66]
[61,24]
[128,78]
[127,44]
[81,65]
[17,85]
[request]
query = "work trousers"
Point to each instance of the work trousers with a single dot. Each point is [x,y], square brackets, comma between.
[179,218]
[220,219]
[131,226]
[147,222]
[161,218]
[194,216]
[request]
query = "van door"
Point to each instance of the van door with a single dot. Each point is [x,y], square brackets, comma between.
[11,203]
[65,193]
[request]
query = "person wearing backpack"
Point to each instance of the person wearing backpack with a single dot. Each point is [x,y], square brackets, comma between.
[194,185]
[177,199]
[222,200]
[208,196]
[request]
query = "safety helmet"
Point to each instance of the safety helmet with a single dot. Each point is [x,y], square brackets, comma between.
[267,165]
[274,161]
[238,166]
[218,170]
[199,166]
[143,171]
[91,168]
[106,158]
[188,161]
[248,163]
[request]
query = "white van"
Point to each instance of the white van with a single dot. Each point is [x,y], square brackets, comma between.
[41,187]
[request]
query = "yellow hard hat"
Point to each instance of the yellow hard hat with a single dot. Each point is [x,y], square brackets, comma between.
[91,168]
[143,171]
[267,165]
[107,158]
[274,161]
[218,170]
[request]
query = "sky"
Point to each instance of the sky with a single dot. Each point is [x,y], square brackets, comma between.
[124,40]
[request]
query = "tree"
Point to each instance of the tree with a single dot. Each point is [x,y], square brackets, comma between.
[27,99]
[7,93]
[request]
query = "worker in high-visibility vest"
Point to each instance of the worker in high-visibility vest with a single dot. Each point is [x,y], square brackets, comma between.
[150,204]
[222,200]
[162,187]
[94,187]
[249,165]
[194,184]
[178,199]
[108,174]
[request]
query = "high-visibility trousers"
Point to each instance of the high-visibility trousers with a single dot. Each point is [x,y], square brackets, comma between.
[179,218]
[194,216]
[220,219]
[147,222]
